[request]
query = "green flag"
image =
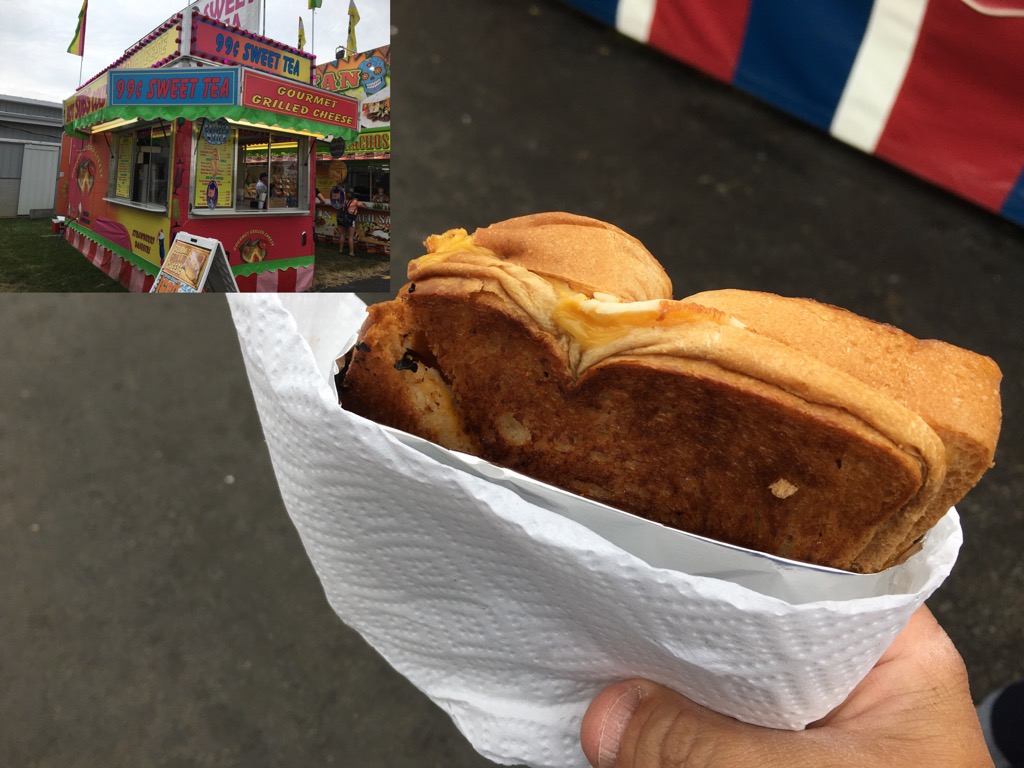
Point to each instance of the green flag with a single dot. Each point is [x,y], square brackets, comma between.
[77,46]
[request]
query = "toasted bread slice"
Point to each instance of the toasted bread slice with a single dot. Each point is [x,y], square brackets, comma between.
[672,410]
[395,383]
[589,255]
[954,390]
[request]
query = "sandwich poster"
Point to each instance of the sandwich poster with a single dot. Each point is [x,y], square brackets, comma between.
[183,270]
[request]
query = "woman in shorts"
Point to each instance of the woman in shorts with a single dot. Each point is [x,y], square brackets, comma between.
[347,220]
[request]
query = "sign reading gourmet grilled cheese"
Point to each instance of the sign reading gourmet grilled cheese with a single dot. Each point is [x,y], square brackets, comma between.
[273,95]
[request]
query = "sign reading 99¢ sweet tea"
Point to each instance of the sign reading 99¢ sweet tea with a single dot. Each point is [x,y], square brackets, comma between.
[140,87]
[233,46]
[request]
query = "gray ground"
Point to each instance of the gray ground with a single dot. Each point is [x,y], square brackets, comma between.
[156,607]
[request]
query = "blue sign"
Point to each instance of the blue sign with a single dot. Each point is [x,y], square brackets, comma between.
[184,86]
[217,131]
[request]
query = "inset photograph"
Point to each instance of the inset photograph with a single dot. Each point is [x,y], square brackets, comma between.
[218,147]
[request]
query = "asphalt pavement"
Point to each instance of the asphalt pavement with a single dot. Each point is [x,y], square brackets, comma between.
[157,606]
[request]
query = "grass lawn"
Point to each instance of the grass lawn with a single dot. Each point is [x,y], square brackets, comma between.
[34,260]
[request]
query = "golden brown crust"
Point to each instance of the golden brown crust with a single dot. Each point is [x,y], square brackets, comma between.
[672,410]
[626,431]
[954,390]
[603,258]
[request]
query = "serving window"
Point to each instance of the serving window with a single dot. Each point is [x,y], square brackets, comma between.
[251,170]
[142,159]
[281,162]
[370,180]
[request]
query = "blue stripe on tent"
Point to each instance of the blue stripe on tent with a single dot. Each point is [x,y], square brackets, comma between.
[1013,206]
[602,10]
[798,55]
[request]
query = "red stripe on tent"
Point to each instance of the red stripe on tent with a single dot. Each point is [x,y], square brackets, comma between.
[286,281]
[708,36]
[112,264]
[92,252]
[959,118]
[246,283]
[124,276]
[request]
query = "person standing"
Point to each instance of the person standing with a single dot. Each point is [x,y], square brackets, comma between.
[350,211]
[261,192]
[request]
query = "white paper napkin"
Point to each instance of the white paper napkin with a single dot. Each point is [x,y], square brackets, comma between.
[508,615]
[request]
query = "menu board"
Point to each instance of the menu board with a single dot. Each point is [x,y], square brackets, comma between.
[193,264]
[123,177]
[214,178]
[183,269]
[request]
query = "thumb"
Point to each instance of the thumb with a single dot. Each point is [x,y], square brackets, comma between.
[639,724]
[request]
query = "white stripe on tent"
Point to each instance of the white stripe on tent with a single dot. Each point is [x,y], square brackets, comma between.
[878,72]
[137,280]
[304,279]
[996,9]
[633,18]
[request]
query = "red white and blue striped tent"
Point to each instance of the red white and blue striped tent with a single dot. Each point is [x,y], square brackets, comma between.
[935,87]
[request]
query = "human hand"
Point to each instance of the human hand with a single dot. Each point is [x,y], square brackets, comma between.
[913,709]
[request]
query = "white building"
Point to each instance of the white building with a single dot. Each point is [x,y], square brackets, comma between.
[30,132]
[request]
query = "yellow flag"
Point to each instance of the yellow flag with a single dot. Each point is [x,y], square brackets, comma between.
[77,46]
[302,36]
[353,19]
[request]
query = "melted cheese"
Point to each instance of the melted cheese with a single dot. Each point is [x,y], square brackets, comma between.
[598,321]
[591,321]
[439,247]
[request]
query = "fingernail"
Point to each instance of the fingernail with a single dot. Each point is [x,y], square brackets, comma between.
[614,725]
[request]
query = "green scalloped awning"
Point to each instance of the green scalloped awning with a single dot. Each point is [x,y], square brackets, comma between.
[135,260]
[244,270]
[193,112]
[240,270]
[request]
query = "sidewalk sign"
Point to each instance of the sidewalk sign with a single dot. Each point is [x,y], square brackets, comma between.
[195,264]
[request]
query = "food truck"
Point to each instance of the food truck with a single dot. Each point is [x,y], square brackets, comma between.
[201,128]
[363,165]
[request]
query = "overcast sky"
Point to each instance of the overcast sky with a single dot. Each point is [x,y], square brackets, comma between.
[34,36]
